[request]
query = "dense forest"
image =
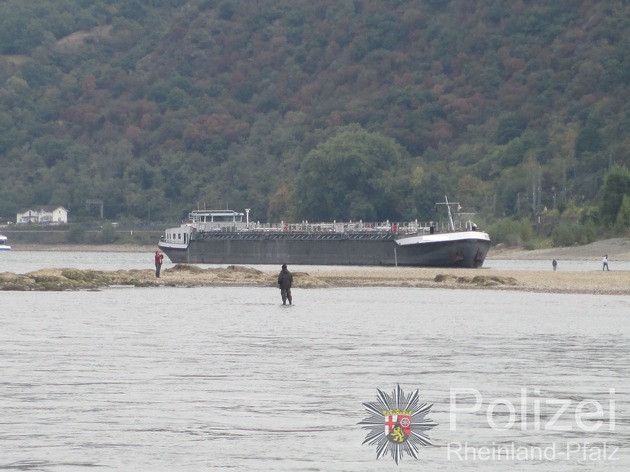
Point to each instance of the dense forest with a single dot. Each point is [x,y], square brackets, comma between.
[301,109]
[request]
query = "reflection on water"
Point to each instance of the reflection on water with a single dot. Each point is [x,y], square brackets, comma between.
[228,379]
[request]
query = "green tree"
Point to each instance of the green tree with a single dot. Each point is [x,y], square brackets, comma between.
[433,190]
[108,234]
[511,232]
[76,234]
[510,126]
[616,186]
[353,175]
[569,234]
[589,139]
[623,217]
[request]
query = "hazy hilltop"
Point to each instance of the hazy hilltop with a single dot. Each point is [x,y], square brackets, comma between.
[304,109]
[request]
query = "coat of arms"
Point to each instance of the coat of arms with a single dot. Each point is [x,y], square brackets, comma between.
[397,424]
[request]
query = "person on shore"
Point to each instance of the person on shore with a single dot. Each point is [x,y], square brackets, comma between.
[554,264]
[285,281]
[605,263]
[159,257]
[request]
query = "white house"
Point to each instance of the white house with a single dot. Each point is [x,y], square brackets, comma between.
[43,215]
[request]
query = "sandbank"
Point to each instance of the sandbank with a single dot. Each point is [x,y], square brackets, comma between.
[183,275]
[596,282]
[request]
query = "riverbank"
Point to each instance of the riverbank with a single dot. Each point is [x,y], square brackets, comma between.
[594,281]
[183,275]
[616,249]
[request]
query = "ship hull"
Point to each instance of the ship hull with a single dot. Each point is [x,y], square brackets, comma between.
[466,251]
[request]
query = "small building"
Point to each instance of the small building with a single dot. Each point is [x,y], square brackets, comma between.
[43,215]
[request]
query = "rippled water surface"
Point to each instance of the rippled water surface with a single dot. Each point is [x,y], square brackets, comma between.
[165,379]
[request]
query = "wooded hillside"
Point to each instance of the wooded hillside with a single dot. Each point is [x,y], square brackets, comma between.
[311,109]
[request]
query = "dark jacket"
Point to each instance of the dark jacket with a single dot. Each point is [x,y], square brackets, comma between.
[285,279]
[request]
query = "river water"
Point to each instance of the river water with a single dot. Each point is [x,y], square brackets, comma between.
[21,262]
[225,378]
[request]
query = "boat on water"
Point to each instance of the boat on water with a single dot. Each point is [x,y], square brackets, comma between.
[229,237]
[4,245]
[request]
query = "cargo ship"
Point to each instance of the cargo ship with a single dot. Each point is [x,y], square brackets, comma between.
[229,237]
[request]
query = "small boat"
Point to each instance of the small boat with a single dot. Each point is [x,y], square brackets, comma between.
[223,237]
[4,246]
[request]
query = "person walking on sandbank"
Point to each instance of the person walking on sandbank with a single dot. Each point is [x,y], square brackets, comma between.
[285,281]
[159,257]
[605,263]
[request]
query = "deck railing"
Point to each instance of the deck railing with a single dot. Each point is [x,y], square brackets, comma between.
[413,227]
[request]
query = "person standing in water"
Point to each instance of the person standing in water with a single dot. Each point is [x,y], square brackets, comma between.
[554,264]
[605,263]
[285,281]
[159,257]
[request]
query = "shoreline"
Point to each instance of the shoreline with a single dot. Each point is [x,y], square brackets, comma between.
[596,282]
[183,275]
[617,249]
